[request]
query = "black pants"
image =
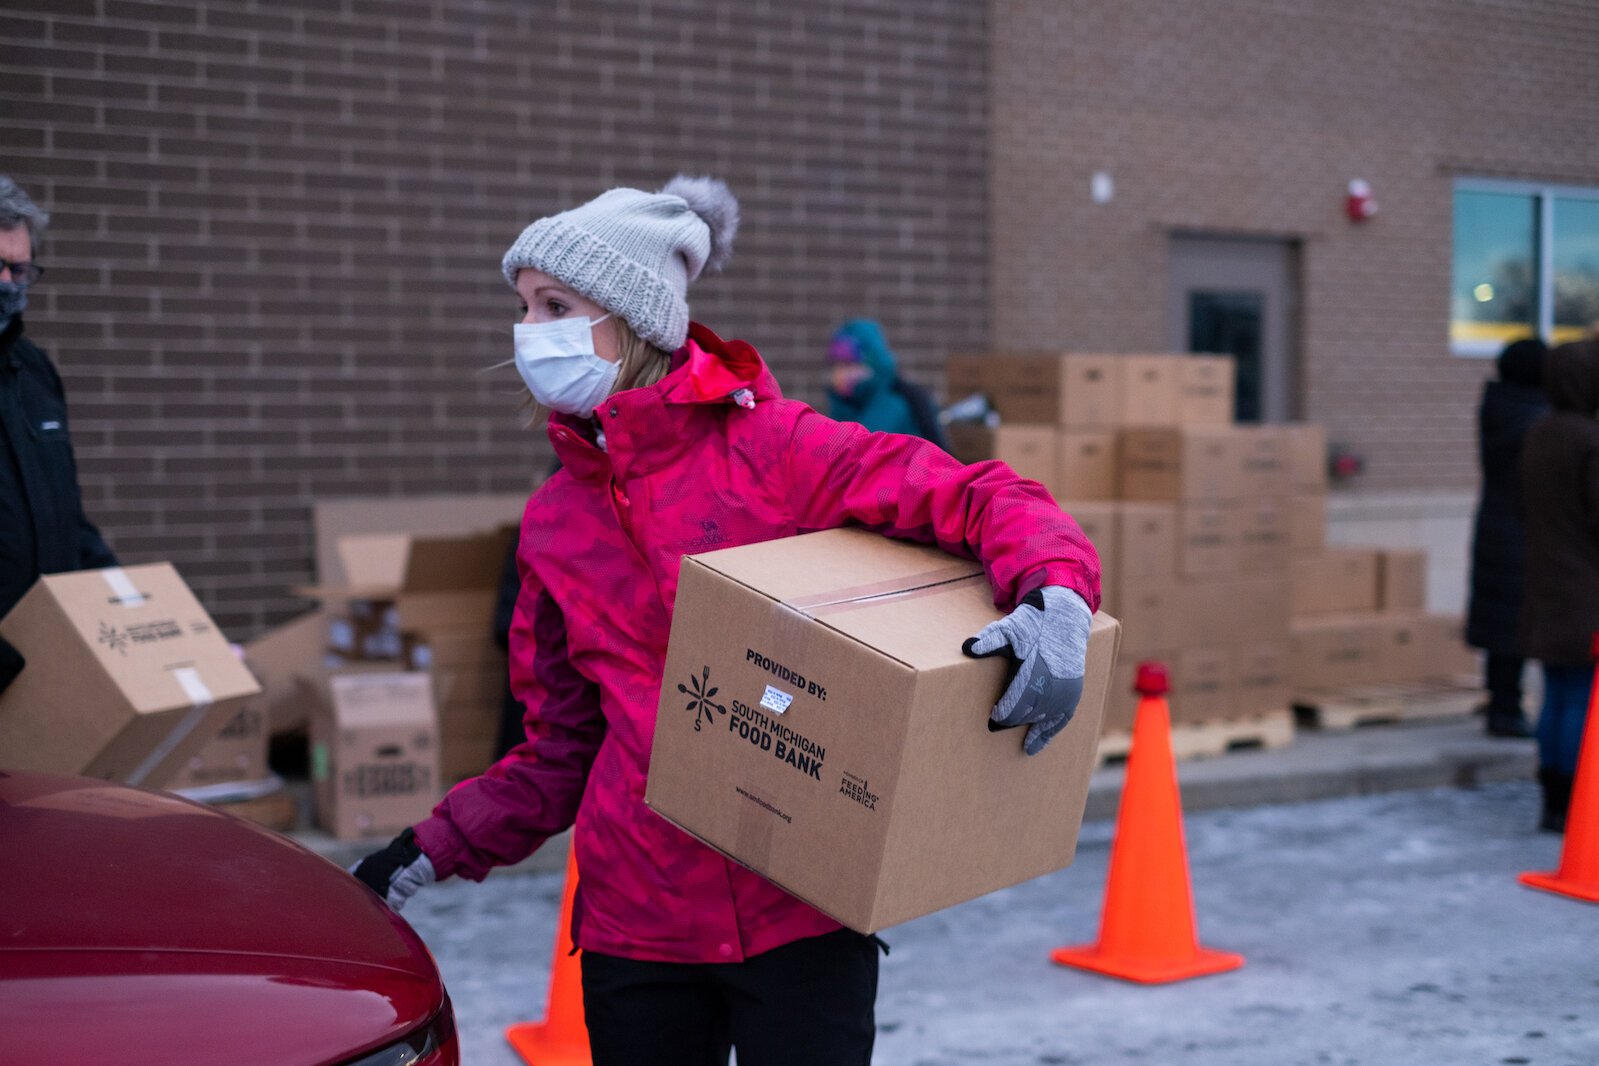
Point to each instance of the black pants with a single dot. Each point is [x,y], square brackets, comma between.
[808,1003]
[1504,683]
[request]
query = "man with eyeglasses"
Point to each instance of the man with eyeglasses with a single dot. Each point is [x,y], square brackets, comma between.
[43,529]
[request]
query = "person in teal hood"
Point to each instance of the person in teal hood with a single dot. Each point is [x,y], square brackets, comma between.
[866,387]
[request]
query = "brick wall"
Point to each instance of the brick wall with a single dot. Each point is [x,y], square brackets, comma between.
[1246,117]
[273,262]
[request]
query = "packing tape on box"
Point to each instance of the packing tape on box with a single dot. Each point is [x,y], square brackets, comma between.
[123,590]
[188,678]
[924,584]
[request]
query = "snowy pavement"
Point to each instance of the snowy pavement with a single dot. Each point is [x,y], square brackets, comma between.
[1378,930]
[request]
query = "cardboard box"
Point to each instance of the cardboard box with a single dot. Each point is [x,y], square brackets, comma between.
[1236,610]
[237,753]
[1180,464]
[819,724]
[1028,450]
[334,519]
[1262,461]
[1260,677]
[1148,533]
[374,753]
[1077,390]
[1149,612]
[1085,464]
[1202,685]
[1205,390]
[1332,652]
[127,677]
[281,658]
[1150,387]
[1445,655]
[1264,534]
[1099,520]
[1307,523]
[431,581]
[1401,648]
[1306,446]
[1208,544]
[1337,581]
[1402,581]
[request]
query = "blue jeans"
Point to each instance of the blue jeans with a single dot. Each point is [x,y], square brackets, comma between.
[1565,712]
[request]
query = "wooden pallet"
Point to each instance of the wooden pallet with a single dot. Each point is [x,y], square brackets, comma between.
[1367,705]
[1217,736]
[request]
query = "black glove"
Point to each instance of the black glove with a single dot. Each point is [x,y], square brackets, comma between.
[11,663]
[396,872]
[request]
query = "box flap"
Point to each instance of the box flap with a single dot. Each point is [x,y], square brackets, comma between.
[364,701]
[385,566]
[836,565]
[335,519]
[374,560]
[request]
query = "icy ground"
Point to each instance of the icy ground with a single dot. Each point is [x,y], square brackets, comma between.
[1379,931]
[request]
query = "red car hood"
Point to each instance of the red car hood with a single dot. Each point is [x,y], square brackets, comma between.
[140,927]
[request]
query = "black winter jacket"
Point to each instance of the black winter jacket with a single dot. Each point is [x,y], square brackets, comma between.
[43,529]
[1560,483]
[1499,543]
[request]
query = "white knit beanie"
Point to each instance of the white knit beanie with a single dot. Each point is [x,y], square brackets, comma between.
[634,253]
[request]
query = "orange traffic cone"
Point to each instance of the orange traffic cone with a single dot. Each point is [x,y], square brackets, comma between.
[561,1039]
[1147,931]
[1578,875]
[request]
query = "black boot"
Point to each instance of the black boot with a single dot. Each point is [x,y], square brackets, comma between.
[1556,799]
[1508,724]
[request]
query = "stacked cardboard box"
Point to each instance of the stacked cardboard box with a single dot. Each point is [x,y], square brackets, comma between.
[1195,519]
[1359,618]
[425,604]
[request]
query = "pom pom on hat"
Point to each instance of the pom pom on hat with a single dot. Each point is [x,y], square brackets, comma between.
[635,253]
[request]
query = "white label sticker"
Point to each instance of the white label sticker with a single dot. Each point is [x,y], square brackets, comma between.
[776,700]
[122,588]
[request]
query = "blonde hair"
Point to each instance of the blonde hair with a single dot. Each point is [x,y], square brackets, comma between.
[640,364]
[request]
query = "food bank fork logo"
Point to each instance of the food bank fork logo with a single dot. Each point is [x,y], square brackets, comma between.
[699,692]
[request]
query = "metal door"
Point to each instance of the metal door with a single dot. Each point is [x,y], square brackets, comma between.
[1239,296]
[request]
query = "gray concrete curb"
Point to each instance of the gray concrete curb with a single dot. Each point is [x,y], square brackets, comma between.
[1318,765]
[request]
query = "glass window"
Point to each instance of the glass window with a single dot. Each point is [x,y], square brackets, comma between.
[1575,230]
[1495,293]
[1526,261]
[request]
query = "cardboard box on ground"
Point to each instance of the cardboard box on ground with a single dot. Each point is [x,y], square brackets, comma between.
[420,606]
[374,751]
[819,724]
[127,677]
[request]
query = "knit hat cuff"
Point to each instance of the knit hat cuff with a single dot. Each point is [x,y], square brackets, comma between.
[577,258]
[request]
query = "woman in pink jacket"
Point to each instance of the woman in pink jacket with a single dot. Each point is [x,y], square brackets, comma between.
[674,441]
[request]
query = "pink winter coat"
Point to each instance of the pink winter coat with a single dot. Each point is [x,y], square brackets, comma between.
[685,470]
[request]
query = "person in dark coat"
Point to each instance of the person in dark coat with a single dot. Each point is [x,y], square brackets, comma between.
[43,529]
[1498,550]
[1560,485]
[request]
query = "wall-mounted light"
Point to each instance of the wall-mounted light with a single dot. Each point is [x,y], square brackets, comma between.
[1359,205]
[1102,187]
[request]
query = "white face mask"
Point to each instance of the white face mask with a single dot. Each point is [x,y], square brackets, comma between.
[558,364]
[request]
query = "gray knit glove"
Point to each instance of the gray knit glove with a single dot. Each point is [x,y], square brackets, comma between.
[396,872]
[1047,636]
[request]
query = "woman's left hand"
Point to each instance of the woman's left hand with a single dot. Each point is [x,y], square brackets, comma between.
[1047,635]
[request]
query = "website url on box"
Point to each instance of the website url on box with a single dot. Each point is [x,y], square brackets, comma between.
[762,803]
